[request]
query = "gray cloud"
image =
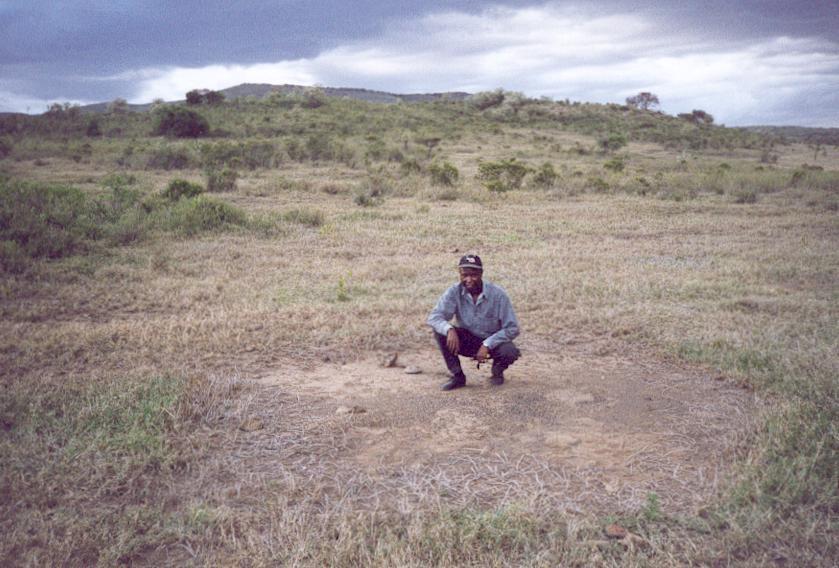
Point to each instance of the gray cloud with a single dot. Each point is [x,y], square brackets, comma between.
[753,61]
[561,53]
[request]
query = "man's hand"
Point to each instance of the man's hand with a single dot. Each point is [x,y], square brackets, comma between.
[483,354]
[453,341]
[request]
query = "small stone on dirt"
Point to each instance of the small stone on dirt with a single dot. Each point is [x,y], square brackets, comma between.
[411,370]
[389,360]
[615,531]
[252,424]
[355,409]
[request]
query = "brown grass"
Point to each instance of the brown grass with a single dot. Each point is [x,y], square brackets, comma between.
[744,289]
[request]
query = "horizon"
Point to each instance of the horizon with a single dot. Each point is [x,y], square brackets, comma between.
[760,63]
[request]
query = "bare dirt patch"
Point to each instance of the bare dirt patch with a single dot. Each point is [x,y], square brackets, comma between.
[598,425]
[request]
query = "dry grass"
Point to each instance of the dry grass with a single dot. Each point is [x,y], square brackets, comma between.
[747,289]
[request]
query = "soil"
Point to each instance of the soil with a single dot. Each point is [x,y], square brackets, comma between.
[594,422]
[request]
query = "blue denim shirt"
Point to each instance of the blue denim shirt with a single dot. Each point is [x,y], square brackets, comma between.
[491,317]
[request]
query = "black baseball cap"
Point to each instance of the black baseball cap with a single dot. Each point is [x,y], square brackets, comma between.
[471,261]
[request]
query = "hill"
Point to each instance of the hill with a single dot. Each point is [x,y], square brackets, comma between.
[262,90]
[802,134]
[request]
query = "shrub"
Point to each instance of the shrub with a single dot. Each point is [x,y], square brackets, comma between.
[222,180]
[5,148]
[616,164]
[43,220]
[93,129]
[372,192]
[597,184]
[13,259]
[612,142]
[487,99]
[410,166]
[501,176]
[168,158]
[180,122]
[443,174]
[200,214]
[310,217]
[745,195]
[180,188]
[545,176]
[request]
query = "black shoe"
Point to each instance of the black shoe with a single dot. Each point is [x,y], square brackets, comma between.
[455,382]
[497,378]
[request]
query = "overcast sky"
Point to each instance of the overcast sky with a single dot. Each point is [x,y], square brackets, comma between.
[745,62]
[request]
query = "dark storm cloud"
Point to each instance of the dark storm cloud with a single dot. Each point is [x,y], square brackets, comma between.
[98,50]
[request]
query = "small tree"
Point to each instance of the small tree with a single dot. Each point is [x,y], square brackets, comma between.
[643,101]
[213,98]
[118,106]
[487,99]
[699,117]
[194,97]
[93,129]
[181,123]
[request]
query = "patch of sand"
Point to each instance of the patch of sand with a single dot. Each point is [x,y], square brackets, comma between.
[625,421]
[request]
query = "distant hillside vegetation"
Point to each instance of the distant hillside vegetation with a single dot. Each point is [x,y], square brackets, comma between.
[788,134]
[321,120]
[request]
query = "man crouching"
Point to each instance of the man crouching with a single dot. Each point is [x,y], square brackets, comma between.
[485,324]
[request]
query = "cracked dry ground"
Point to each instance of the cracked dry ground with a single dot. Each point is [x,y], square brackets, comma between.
[585,425]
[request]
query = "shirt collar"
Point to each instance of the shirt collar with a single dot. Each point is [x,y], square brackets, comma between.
[481,297]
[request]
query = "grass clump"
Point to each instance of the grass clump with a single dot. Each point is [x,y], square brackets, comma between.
[201,214]
[545,176]
[372,192]
[181,188]
[222,180]
[48,221]
[309,217]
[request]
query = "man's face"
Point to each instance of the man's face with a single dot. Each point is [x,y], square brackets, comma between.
[471,279]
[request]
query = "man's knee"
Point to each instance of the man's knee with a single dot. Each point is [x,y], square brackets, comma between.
[506,352]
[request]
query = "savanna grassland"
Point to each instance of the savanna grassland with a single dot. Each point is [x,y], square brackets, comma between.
[195,298]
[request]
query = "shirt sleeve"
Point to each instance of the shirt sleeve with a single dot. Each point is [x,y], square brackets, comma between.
[443,312]
[509,324]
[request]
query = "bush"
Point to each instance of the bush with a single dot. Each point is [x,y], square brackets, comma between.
[616,164]
[410,166]
[612,142]
[13,259]
[372,192]
[222,180]
[745,195]
[505,175]
[180,122]
[168,158]
[93,130]
[545,176]
[443,174]
[487,99]
[200,214]
[180,188]
[310,217]
[44,221]
[5,148]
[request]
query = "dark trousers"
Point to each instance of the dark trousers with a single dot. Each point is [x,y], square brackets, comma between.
[502,356]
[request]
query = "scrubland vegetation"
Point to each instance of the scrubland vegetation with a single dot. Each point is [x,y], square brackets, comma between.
[153,262]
